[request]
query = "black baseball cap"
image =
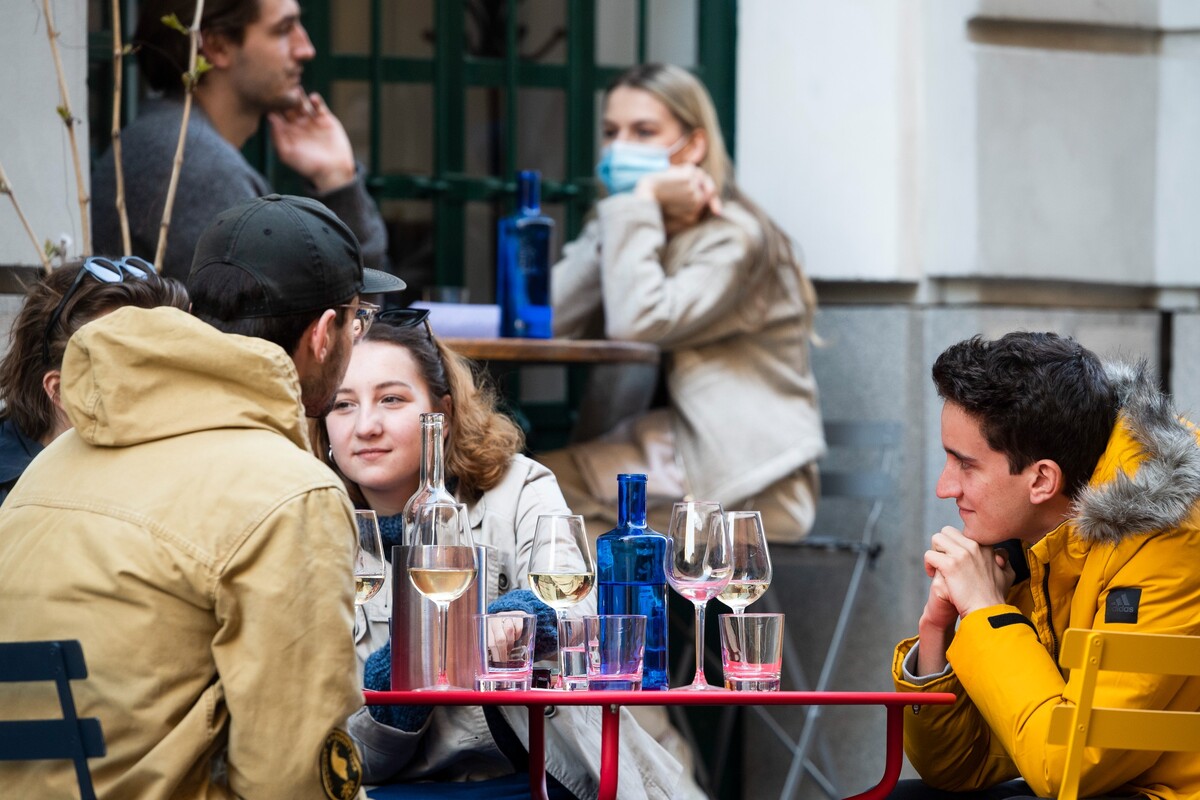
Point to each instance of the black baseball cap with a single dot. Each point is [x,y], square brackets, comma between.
[301,255]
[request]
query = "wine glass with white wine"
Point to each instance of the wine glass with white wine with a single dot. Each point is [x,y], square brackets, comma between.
[751,562]
[561,571]
[441,565]
[368,560]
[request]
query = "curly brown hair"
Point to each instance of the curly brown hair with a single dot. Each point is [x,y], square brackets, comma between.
[481,439]
[25,364]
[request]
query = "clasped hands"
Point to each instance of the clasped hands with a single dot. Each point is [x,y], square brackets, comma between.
[966,576]
[684,192]
[311,140]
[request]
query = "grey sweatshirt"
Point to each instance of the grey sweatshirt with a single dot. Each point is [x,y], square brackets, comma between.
[215,176]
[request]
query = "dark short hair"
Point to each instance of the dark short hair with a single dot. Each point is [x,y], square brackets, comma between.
[1035,395]
[163,51]
[23,366]
[223,295]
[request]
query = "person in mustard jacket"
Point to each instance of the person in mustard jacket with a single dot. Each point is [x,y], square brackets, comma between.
[184,534]
[1077,485]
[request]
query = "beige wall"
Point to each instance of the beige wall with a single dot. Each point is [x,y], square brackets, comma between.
[925,141]
[34,147]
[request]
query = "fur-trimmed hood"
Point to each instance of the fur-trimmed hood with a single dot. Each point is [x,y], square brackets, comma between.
[1165,487]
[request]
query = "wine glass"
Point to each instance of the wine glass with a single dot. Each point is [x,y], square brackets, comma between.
[751,562]
[561,571]
[698,564]
[368,559]
[441,564]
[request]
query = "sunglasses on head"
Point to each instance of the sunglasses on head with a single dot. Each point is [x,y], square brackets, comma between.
[404,317]
[105,270]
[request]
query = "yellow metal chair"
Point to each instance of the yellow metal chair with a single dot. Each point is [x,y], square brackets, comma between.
[1085,725]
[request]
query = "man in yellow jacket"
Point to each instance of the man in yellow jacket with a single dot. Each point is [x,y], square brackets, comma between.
[186,536]
[1077,486]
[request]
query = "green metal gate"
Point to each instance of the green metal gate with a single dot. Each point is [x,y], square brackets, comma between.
[445,99]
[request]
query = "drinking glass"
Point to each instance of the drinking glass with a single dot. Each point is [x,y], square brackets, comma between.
[698,564]
[505,642]
[751,573]
[751,651]
[561,570]
[441,564]
[368,559]
[616,649]
[572,654]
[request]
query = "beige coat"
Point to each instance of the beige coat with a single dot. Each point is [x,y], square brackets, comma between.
[743,400]
[185,535]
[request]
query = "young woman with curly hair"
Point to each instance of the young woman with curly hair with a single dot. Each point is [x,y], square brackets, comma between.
[372,438]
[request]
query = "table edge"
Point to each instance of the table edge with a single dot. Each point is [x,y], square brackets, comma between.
[645,698]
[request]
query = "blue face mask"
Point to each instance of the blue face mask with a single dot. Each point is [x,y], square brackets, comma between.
[622,164]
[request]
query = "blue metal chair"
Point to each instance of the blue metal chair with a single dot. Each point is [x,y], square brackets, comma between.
[49,739]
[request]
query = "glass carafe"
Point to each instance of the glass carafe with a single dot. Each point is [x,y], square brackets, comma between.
[433,473]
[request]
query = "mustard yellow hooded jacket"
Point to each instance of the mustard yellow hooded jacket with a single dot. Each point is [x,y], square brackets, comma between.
[1127,560]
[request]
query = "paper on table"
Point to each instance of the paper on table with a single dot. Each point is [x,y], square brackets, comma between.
[463,320]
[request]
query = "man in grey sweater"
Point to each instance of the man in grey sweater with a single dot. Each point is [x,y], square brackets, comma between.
[257,49]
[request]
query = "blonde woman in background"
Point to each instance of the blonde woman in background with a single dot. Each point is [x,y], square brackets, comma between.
[677,256]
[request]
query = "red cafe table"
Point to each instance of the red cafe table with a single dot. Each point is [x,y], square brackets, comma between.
[609,702]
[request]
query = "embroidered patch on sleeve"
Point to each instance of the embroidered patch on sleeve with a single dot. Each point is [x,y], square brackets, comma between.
[1122,604]
[341,769]
[1003,620]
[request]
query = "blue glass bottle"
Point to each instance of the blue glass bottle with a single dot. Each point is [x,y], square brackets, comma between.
[523,264]
[630,577]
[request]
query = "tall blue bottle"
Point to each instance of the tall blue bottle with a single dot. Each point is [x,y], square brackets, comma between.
[630,576]
[523,264]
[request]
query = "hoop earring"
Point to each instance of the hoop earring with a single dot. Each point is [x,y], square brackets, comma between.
[329,455]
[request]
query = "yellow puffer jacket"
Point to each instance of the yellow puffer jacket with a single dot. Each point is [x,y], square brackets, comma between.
[1125,561]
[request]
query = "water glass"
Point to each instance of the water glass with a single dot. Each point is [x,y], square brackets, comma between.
[751,651]
[616,644]
[572,653]
[505,651]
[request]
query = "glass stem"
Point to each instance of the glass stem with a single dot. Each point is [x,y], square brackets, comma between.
[442,680]
[700,680]
[561,682]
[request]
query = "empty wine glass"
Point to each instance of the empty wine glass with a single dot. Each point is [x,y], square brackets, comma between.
[561,570]
[698,565]
[441,564]
[368,559]
[751,573]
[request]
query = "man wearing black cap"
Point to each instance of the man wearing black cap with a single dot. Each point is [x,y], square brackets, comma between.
[186,536]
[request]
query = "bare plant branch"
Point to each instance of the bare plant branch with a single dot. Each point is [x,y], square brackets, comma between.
[68,118]
[118,79]
[6,188]
[190,79]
